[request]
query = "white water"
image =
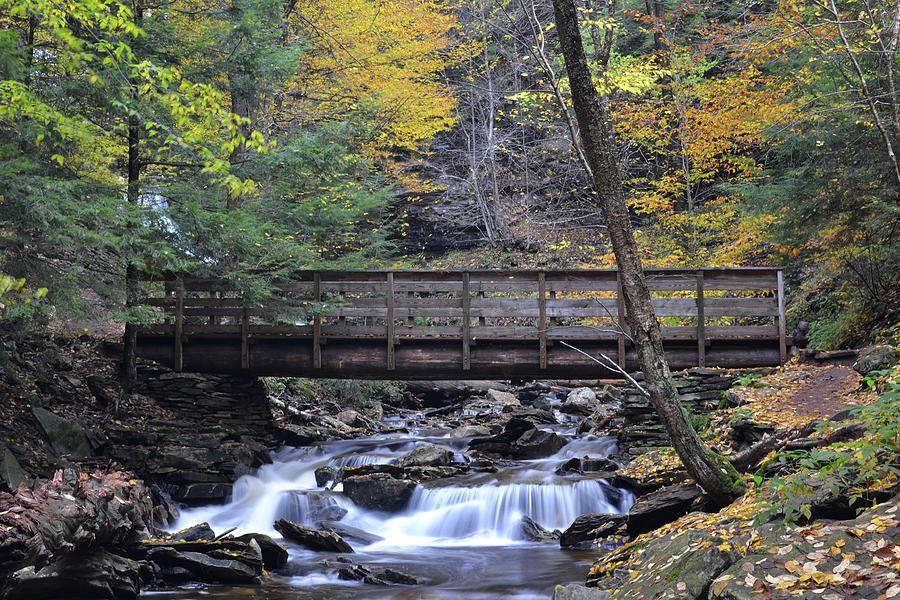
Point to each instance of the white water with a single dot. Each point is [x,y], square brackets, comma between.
[474,510]
[460,536]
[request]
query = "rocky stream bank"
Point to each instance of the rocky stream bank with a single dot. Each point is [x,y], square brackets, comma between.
[96,477]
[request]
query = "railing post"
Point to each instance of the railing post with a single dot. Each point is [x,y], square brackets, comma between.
[177,350]
[701,322]
[466,322]
[620,306]
[245,338]
[782,345]
[542,318]
[389,302]
[317,321]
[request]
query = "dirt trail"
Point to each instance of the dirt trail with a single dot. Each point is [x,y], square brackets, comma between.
[800,393]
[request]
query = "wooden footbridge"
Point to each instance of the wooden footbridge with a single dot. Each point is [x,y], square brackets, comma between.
[464,324]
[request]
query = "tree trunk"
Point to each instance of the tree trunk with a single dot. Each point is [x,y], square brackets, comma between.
[128,366]
[712,471]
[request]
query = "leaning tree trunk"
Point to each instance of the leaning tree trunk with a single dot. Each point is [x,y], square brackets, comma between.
[712,471]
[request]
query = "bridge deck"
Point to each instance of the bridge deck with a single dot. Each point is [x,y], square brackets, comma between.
[464,324]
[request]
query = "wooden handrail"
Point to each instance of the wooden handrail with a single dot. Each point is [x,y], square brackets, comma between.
[544,306]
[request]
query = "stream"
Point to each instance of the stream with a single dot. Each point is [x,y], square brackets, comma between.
[460,537]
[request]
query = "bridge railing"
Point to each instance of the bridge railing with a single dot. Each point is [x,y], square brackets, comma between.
[474,307]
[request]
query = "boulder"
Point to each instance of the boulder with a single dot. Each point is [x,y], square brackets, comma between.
[502,398]
[466,431]
[307,507]
[587,465]
[592,465]
[515,427]
[274,555]
[311,538]
[575,591]
[414,474]
[298,436]
[100,574]
[349,417]
[428,455]
[11,472]
[201,531]
[372,575]
[196,494]
[357,536]
[580,401]
[65,437]
[326,475]
[533,532]
[876,358]
[588,528]
[379,491]
[685,565]
[502,443]
[537,443]
[220,566]
[652,511]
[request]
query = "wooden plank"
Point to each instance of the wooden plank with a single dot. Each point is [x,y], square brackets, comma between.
[193,302]
[245,339]
[740,307]
[542,319]
[740,279]
[779,322]
[178,350]
[701,322]
[553,320]
[454,332]
[466,323]
[213,311]
[317,323]
[411,298]
[721,332]
[389,303]
[620,310]
[481,320]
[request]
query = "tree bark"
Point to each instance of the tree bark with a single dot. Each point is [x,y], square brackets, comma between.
[128,366]
[712,471]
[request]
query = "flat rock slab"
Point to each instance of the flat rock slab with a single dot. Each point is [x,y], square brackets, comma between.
[653,510]
[216,567]
[372,575]
[379,491]
[358,536]
[578,592]
[65,437]
[427,455]
[309,537]
[588,528]
[100,575]
[11,472]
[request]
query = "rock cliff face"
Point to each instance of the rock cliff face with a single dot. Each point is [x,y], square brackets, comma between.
[701,390]
[235,401]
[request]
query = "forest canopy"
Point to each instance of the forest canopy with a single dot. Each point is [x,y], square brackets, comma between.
[252,138]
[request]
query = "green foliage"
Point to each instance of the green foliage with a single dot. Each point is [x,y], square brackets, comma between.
[16,300]
[699,421]
[752,380]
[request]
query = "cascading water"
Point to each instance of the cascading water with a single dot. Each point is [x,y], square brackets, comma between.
[461,537]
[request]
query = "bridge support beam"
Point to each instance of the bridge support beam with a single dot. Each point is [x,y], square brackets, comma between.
[423,360]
